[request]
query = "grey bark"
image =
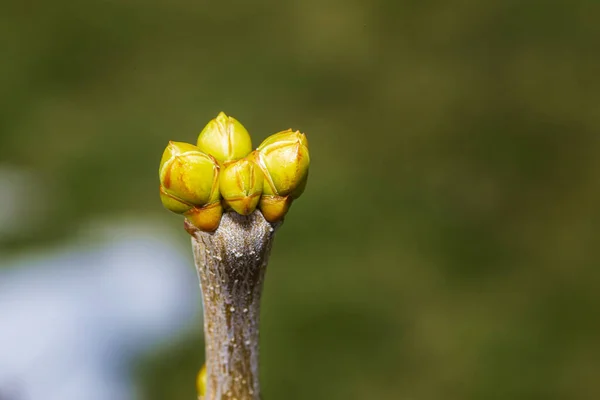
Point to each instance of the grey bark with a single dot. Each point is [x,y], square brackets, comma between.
[231,264]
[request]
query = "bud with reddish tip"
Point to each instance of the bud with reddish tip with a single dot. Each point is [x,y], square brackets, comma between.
[274,208]
[189,185]
[241,185]
[225,139]
[206,218]
[284,160]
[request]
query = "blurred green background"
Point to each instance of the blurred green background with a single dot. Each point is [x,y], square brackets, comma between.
[447,244]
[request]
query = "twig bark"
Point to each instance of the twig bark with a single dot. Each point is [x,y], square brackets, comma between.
[231,264]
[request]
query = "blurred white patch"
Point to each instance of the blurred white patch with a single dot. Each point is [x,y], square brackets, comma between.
[72,321]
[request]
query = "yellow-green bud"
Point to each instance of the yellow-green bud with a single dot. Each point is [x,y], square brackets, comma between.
[173,203]
[201,382]
[225,139]
[241,184]
[284,159]
[189,185]
[188,176]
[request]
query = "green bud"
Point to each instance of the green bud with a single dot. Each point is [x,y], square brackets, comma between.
[201,382]
[284,160]
[225,139]
[188,176]
[189,185]
[284,136]
[241,184]
[173,203]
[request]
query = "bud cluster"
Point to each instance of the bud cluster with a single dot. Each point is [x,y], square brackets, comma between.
[222,173]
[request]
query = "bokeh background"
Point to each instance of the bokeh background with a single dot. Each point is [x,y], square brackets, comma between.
[447,245]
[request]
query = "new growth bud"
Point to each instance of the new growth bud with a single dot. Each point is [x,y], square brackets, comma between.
[201,382]
[198,181]
[225,139]
[188,174]
[241,186]
[284,160]
[189,184]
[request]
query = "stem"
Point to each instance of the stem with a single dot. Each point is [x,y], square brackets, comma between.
[231,264]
